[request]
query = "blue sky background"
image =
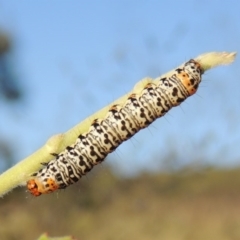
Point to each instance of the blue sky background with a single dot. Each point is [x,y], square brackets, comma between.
[75,57]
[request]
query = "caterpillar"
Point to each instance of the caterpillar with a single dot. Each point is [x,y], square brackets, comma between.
[120,123]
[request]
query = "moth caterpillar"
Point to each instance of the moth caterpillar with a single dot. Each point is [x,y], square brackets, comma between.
[121,122]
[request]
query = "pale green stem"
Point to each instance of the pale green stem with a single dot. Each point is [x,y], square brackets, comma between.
[21,172]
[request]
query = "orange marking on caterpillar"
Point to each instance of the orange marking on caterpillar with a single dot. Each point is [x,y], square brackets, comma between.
[186,81]
[36,188]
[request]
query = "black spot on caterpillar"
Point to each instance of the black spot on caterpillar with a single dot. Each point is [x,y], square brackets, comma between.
[121,123]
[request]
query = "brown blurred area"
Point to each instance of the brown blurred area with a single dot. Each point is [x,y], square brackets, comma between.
[182,205]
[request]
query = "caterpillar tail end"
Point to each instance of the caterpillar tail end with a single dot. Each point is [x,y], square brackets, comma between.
[214,59]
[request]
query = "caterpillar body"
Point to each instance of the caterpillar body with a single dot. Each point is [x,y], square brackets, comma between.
[121,123]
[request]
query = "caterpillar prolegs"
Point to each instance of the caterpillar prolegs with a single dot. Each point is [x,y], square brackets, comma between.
[121,123]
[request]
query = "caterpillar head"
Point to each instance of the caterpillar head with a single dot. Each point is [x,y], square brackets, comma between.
[37,187]
[191,76]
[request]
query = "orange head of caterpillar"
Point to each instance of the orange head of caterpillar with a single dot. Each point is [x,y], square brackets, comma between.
[190,76]
[37,187]
[188,83]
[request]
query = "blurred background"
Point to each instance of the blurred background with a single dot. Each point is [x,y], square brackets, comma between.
[61,61]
